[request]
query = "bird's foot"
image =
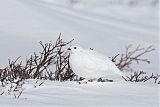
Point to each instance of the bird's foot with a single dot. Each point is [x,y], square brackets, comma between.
[107,80]
[83,81]
[92,80]
[104,80]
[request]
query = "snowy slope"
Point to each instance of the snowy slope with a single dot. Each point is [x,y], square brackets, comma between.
[71,94]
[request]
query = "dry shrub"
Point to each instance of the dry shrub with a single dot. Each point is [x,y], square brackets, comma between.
[37,66]
[125,60]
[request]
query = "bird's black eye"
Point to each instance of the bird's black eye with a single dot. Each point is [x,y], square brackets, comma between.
[75,47]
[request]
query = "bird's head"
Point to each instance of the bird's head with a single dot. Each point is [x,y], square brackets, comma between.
[74,49]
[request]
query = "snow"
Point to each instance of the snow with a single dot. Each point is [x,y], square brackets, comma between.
[93,24]
[71,94]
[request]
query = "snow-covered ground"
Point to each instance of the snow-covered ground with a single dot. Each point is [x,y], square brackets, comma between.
[71,94]
[105,25]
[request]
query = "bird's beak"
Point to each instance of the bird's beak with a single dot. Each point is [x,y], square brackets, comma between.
[69,49]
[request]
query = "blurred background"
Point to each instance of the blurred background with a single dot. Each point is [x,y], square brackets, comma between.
[107,26]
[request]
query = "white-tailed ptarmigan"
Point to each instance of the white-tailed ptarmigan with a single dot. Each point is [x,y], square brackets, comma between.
[90,64]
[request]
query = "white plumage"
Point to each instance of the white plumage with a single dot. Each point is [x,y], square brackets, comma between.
[90,64]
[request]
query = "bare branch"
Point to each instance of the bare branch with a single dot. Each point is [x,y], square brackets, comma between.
[142,77]
[131,56]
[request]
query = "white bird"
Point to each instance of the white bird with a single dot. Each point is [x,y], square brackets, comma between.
[90,64]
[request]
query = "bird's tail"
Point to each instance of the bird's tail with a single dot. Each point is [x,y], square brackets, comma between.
[119,72]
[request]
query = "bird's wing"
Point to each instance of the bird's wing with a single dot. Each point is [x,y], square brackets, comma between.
[92,59]
[102,62]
